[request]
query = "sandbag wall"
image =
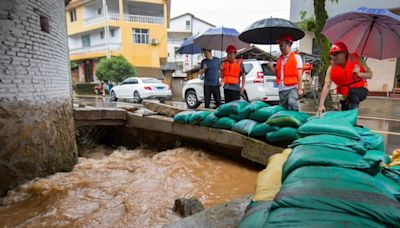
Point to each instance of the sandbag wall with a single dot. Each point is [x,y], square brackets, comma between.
[336,175]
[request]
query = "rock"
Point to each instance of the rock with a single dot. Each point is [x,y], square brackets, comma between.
[187,206]
[164,109]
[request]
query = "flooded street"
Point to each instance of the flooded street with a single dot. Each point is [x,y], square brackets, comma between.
[135,188]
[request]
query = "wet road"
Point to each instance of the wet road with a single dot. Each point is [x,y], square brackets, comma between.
[379,114]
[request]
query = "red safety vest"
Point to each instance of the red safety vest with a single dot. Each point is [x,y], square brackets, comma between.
[231,72]
[344,77]
[290,77]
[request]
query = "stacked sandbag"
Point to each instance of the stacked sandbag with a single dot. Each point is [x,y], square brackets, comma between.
[287,123]
[235,110]
[267,186]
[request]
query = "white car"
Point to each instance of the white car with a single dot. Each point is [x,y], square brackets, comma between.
[140,88]
[260,85]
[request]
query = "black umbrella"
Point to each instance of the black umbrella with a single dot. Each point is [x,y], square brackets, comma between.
[268,31]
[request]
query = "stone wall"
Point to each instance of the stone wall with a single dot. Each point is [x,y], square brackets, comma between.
[36,122]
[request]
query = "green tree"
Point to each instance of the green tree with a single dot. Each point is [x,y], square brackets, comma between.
[115,69]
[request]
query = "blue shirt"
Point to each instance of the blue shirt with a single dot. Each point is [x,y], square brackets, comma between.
[211,76]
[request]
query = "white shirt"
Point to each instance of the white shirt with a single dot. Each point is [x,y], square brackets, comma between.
[299,61]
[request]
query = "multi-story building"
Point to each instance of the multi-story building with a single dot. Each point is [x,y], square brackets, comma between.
[137,30]
[386,72]
[181,27]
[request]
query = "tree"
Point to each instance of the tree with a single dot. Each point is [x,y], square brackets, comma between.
[115,69]
[316,25]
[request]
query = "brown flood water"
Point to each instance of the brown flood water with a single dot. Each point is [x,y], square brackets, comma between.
[135,188]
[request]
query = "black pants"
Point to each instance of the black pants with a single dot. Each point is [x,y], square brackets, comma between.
[356,95]
[214,90]
[231,95]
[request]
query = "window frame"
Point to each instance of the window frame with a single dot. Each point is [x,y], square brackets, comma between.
[141,36]
[72,15]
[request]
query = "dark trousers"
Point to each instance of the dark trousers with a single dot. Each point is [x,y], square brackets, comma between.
[231,95]
[214,90]
[356,95]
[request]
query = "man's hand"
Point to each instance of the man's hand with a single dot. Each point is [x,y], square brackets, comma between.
[271,65]
[300,92]
[241,90]
[321,109]
[356,70]
[204,67]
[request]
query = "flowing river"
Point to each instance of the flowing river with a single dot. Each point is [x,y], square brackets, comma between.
[126,188]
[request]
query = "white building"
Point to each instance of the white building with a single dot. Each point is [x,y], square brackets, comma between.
[181,27]
[386,72]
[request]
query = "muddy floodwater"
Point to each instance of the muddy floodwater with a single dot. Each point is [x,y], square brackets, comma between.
[126,188]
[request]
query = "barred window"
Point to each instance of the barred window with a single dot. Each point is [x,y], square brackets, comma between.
[140,36]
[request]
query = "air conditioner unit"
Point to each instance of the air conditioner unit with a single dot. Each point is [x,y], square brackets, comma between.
[154,42]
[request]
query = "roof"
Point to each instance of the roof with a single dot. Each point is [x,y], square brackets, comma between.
[194,17]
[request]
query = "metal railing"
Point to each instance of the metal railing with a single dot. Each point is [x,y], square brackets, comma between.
[94,48]
[127,18]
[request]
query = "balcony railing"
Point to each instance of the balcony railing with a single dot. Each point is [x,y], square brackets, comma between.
[127,18]
[95,48]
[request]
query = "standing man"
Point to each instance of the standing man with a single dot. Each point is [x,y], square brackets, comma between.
[232,73]
[288,73]
[210,69]
[349,72]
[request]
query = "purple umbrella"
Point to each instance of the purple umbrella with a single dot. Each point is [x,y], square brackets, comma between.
[373,33]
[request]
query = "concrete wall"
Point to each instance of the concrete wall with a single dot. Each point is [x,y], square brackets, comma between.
[36,123]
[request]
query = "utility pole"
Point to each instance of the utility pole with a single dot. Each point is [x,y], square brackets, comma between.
[106,29]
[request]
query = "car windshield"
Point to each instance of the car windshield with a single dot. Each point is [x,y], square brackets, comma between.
[151,81]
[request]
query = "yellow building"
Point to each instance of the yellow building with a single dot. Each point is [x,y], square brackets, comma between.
[137,30]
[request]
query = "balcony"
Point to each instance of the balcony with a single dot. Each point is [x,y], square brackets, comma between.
[95,48]
[127,18]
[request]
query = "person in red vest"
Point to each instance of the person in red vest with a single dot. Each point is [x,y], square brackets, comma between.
[288,73]
[349,72]
[233,76]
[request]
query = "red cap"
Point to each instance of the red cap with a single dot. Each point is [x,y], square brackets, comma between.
[285,37]
[231,49]
[337,47]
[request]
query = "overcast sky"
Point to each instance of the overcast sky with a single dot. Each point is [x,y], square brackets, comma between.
[237,14]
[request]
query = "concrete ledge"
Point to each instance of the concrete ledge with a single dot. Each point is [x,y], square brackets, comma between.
[94,113]
[163,109]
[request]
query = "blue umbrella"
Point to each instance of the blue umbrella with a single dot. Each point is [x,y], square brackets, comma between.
[219,39]
[188,47]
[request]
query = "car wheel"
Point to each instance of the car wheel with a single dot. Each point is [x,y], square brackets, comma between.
[113,96]
[191,99]
[136,97]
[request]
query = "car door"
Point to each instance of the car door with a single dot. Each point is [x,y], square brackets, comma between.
[121,89]
[271,88]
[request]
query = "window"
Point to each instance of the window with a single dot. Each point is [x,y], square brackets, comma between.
[176,50]
[112,31]
[247,67]
[187,24]
[101,35]
[314,50]
[72,14]
[99,11]
[151,81]
[86,41]
[130,81]
[266,69]
[141,36]
[44,23]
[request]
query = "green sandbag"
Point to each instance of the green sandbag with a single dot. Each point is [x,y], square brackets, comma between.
[363,131]
[288,119]
[285,134]
[332,141]
[392,172]
[198,116]
[349,115]
[183,117]
[261,129]
[338,127]
[312,155]
[262,114]
[209,120]
[256,215]
[374,141]
[224,123]
[244,126]
[255,105]
[233,108]
[377,156]
[340,190]
[389,184]
[300,217]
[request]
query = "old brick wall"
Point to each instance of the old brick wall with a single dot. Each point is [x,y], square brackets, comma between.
[36,122]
